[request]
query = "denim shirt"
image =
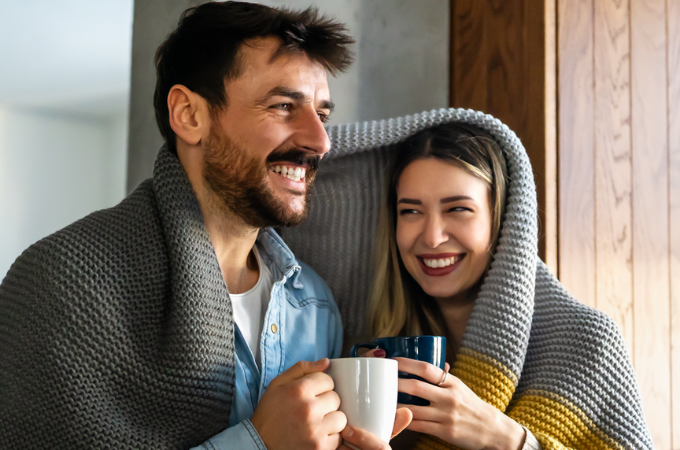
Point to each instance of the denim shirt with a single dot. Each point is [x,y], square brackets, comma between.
[302,323]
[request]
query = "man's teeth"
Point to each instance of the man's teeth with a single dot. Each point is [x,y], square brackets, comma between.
[293,173]
[439,263]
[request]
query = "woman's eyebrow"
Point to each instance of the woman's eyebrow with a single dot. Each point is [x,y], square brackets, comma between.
[455,198]
[410,201]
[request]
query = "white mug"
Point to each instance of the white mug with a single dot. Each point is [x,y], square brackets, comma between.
[367,388]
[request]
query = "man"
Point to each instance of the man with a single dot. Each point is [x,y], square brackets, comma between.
[179,317]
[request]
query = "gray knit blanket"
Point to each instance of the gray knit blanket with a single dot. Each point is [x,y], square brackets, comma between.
[117,331]
[554,365]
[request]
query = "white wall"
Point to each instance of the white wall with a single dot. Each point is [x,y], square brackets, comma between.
[55,169]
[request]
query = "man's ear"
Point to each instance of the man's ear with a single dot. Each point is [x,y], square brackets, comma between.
[189,114]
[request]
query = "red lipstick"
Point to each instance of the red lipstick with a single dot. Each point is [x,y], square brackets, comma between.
[439,271]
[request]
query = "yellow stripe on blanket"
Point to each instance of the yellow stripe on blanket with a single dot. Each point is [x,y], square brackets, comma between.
[555,422]
[487,378]
[558,424]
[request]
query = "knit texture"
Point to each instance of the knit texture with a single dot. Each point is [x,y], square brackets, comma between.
[117,331]
[554,365]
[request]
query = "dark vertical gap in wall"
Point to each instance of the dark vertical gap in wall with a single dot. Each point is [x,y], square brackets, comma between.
[452,52]
[557,138]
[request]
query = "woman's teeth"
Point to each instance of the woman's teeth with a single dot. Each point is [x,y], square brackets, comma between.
[439,263]
[295,174]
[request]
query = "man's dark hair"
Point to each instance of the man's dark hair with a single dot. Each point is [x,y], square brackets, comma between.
[202,53]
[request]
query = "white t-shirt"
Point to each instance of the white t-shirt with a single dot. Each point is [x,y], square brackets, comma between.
[250,308]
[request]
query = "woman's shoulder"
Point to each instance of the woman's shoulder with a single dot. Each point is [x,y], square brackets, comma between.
[556,311]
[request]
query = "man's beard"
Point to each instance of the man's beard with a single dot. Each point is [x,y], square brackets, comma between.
[238,183]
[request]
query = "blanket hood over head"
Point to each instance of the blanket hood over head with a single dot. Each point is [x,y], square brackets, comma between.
[554,365]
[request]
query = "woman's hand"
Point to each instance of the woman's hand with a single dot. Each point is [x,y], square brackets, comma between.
[456,415]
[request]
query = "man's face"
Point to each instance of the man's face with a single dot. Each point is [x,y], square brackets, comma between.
[264,147]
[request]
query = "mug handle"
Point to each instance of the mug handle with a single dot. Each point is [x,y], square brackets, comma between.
[368,345]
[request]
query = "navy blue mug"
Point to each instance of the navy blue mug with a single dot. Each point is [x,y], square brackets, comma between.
[431,349]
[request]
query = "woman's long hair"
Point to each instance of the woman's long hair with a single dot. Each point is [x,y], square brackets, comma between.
[398,304]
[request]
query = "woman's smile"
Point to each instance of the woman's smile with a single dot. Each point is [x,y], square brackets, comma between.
[437,265]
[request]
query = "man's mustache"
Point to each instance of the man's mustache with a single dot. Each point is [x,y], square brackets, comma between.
[295,156]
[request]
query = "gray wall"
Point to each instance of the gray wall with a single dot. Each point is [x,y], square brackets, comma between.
[401,66]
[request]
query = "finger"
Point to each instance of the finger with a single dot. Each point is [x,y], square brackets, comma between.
[299,370]
[334,441]
[362,439]
[333,423]
[401,420]
[447,367]
[317,383]
[375,353]
[327,402]
[423,412]
[421,389]
[424,370]
[423,426]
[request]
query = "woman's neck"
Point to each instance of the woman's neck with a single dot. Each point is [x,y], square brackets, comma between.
[456,312]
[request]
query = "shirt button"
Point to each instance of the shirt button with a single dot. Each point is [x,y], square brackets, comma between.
[274,328]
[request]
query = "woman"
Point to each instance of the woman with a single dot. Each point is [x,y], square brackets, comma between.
[523,352]
[441,271]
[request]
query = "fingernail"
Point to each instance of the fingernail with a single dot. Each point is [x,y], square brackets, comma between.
[380,353]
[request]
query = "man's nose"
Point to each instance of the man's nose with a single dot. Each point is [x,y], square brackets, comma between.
[435,232]
[310,133]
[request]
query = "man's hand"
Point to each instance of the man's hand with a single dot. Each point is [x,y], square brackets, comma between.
[299,410]
[363,440]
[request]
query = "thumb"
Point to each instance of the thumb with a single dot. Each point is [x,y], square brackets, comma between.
[301,369]
[401,420]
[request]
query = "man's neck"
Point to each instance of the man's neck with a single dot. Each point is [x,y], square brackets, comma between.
[233,243]
[231,237]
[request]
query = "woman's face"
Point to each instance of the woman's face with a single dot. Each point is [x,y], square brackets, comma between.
[443,227]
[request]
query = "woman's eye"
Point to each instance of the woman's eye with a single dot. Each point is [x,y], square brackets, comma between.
[459,209]
[404,212]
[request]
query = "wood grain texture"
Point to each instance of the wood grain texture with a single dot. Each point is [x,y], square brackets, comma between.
[498,60]
[650,214]
[613,180]
[576,149]
[673,9]
[550,95]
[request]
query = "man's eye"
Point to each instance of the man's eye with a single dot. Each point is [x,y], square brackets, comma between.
[324,117]
[283,106]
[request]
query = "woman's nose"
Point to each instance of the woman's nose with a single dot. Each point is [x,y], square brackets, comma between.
[435,232]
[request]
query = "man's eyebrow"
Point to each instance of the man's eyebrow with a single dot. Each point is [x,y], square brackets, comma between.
[410,201]
[281,91]
[327,104]
[455,198]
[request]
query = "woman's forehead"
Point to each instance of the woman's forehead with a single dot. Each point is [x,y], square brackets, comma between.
[434,179]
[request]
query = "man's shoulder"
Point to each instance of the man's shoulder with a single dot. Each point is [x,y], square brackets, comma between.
[94,246]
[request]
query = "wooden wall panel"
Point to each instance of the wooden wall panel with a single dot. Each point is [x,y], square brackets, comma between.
[498,65]
[673,9]
[650,214]
[613,181]
[576,149]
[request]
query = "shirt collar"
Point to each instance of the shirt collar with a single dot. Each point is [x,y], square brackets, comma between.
[279,256]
